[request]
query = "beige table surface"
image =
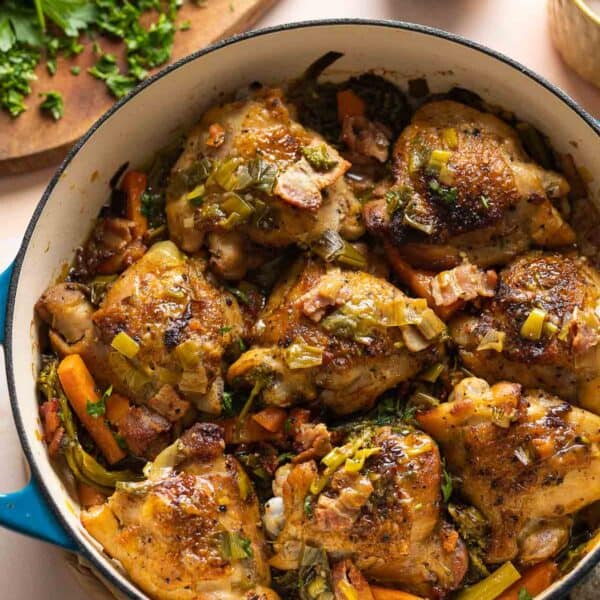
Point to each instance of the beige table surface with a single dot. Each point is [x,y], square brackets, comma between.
[34,570]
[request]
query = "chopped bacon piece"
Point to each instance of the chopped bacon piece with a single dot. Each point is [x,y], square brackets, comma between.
[330,291]
[464,282]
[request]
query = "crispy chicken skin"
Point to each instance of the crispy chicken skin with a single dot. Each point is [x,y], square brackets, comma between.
[304,200]
[181,322]
[169,531]
[565,359]
[334,311]
[526,460]
[488,202]
[386,517]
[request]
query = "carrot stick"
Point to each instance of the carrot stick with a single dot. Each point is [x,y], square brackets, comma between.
[89,496]
[246,432]
[349,104]
[117,407]
[271,418]
[80,389]
[535,580]
[380,593]
[134,185]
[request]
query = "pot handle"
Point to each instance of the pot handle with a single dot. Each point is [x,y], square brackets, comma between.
[27,511]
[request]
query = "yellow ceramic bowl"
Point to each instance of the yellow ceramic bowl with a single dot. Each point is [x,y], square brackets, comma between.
[575,31]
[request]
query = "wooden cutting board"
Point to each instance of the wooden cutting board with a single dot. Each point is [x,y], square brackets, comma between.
[33,140]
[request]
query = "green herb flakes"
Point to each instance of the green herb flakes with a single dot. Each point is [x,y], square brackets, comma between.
[53,104]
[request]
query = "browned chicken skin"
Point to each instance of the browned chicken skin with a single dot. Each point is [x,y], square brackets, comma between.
[181,323]
[305,194]
[385,516]
[527,460]
[565,359]
[173,533]
[336,313]
[481,199]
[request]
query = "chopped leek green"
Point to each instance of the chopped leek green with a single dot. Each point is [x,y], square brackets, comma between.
[302,356]
[165,460]
[533,325]
[348,590]
[317,586]
[492,340]
[430,325]
[330,246]
[195,196]
[432,373]
[493,585]
[438,159]
[235,547]
[357,462]
[99,287]
[450,137]
[126,345]
[237,210]
[188,354]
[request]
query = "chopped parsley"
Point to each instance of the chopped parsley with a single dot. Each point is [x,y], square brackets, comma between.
[98,409]
[446,483]
[225,329]
[308,506]
[53,104]
[75,70]
[37,31]
[485,201]
[448,195]
[524,595]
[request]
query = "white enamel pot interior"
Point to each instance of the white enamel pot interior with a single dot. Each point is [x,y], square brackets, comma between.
[156,112]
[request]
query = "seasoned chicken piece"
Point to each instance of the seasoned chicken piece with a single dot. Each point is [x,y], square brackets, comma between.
[526,460]
[113,245]
[542,329]
[180,324]
[375,500]
[249,165]
[337,336]
[159,335]
[465,187]
[190,531]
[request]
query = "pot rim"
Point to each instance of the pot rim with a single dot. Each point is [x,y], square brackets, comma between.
[103,565]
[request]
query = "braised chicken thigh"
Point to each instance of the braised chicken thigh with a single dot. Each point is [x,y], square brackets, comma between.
[248,165]
[526,459]
[189,531]
[337,336]
[159,335]
[464,187]
[542,329]
[374,499]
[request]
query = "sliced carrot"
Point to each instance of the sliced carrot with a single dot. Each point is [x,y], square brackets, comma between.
[247,432]
[271,418]
[117,407]
[535,580]
[80,389]
[349,104]
[419,282]
[134,185]
[89,496]
[380,593]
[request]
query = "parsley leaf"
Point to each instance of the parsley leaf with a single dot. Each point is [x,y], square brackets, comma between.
[446,483]
[53,104]
[524,595]
[98,408]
